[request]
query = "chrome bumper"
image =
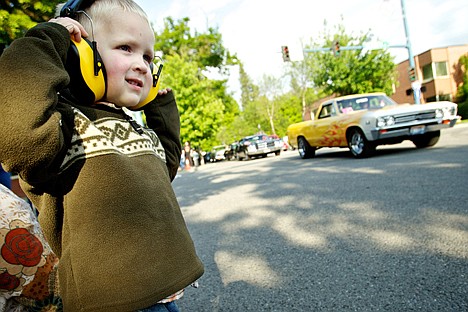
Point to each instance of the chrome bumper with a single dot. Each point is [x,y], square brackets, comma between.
[406,131]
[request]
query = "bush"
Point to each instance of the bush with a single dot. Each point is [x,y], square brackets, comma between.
[463,110]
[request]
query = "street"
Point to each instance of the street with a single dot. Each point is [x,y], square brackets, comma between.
[332,233]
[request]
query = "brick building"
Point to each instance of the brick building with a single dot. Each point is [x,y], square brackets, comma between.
[439,72]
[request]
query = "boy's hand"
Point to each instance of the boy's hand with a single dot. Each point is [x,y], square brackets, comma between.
[75,29]
[164,91]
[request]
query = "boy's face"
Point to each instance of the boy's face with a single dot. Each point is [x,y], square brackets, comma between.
[125,42]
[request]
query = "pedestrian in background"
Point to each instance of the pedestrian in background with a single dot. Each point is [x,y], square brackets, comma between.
[188,156]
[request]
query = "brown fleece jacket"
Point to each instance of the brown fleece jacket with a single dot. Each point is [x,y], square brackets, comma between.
[103,188]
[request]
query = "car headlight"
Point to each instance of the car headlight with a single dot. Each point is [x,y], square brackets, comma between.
[439,113]
[385,121]
[381,122]
[449,111]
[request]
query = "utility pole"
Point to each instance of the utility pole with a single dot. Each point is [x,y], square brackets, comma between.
[416,84]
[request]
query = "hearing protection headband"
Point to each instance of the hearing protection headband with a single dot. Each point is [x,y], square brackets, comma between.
[71,8]
[88,79]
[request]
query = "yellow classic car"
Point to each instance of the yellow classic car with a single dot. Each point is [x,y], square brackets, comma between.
[362,122]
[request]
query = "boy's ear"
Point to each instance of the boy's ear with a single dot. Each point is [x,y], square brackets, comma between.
[87,72]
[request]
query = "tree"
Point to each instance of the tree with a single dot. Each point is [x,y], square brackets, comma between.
[249,91]
[246,122]
[301,80]
[17,16]
[205,106]
[205,49]
[267,109]
[353,71]
[270,87]
[462,92]
[288,111]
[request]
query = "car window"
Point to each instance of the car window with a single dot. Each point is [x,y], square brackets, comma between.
[327,111]
[345,106]
[372,102]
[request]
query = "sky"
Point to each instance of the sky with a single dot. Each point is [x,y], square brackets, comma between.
[255,30]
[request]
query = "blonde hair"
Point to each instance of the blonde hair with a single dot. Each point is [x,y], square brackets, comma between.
[102,10]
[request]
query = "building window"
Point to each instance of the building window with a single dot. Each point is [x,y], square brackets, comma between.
[440,69]
[445,97]
[427,72]
[434,70]
[431,99]
[440,97]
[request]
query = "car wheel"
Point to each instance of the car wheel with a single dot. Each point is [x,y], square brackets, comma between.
[305,150]
[359,146]
[427,139]
[277,153]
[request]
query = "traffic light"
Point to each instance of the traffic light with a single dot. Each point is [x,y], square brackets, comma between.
[336,48]
[285,51]
[411,74]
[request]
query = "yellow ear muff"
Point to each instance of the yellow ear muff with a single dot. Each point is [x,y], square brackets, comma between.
[88,80]
[87,72]
[156,72]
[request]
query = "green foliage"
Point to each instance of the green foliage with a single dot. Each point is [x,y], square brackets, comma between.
[248,121]
[353,71]
[17,16]
[267,115]
[289,112]
[462,92]
[201,110]
[205,49]
[249,91]
[463,110]
[205,106]
[302,84]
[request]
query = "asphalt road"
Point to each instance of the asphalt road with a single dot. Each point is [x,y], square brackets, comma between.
[333,233]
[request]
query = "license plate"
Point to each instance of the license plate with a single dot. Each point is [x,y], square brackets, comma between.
[417,130]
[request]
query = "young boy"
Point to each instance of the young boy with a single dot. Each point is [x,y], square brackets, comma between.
[101,183]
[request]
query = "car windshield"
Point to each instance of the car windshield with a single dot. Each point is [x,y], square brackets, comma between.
[218,148]
[364,102]
[258,138]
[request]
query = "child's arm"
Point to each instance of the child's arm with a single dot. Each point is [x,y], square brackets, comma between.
[162,116]
[33,129]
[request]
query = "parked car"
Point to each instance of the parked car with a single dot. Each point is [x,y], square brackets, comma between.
[230,153]
[279,142]
[217,153]
[362,122]
[259,145]
[206,157]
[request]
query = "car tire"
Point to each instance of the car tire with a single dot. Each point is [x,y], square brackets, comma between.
[358,145]
[305,150]
[427,139]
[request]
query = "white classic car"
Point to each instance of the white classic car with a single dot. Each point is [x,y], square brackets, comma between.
[364,121]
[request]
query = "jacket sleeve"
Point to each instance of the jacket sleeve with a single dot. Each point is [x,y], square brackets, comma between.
[162,116]
[32,138]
